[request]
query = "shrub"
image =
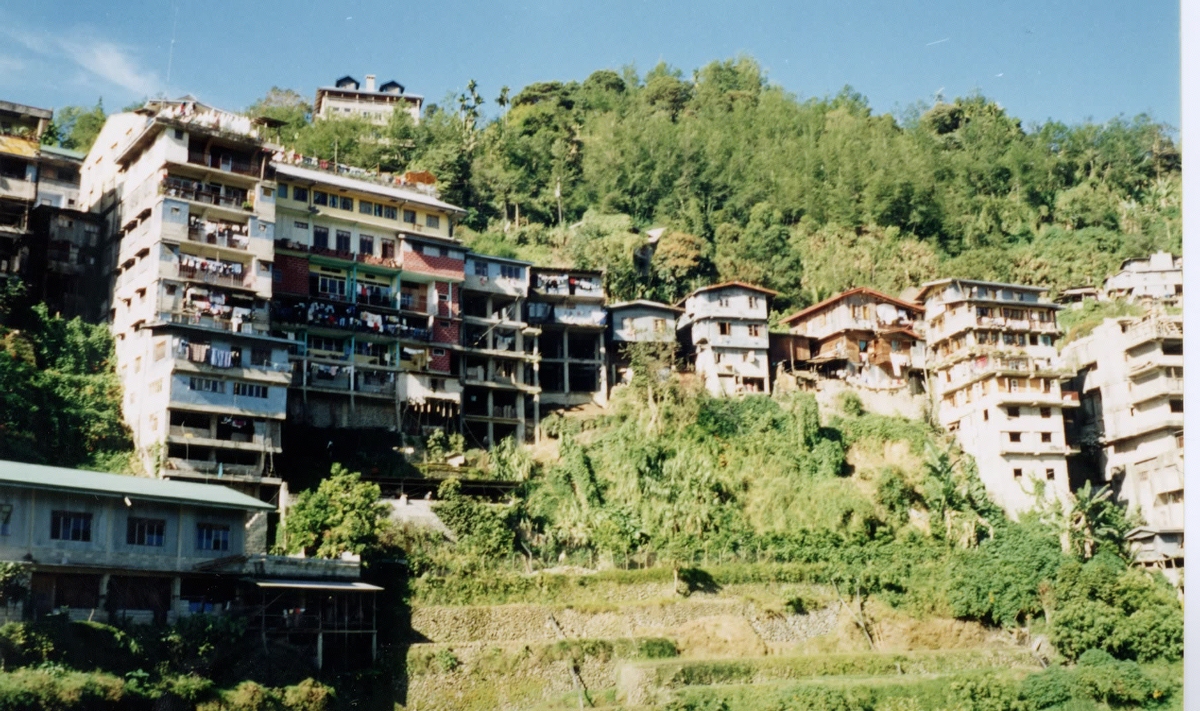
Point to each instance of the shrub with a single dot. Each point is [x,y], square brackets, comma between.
[309,695]
[445,661]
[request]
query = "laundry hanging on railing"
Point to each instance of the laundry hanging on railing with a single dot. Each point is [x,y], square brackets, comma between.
[221,358]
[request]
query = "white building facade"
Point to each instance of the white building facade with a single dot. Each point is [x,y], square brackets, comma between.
[996,382]
[725,332]
[188,201]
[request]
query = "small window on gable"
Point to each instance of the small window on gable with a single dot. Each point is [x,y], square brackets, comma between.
[1049,474]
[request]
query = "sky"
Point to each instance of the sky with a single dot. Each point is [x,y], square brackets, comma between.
[1041,60]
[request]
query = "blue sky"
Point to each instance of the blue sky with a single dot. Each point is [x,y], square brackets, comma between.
[1039,59]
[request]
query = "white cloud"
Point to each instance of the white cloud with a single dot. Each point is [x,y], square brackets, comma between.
[98,58]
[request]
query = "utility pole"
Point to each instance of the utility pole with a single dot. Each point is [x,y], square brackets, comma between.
[558,196]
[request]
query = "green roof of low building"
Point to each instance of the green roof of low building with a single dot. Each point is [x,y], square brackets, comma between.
[135,487]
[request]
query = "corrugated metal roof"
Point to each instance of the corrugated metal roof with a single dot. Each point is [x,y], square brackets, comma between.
[317,176]
[64,152]
[334,585]
[135,487]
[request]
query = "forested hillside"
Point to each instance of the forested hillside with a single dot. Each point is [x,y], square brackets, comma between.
[807,196]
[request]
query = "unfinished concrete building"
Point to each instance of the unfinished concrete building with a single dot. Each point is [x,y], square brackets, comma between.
[568,306]
[500,358]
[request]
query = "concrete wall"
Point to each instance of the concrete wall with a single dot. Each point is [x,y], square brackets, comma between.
[30,529]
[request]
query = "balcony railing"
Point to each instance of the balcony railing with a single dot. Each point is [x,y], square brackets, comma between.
[220,162]
[246,281]
[220,238]
[192,190]
[248,327]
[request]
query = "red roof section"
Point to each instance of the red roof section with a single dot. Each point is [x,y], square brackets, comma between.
[859,290]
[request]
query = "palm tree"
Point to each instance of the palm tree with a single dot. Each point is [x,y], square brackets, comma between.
[1090,520]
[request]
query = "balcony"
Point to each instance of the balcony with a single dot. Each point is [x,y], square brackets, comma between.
[255,326]
[1036,449]
[414,302]
[17,188]
[344,317]
[1152,328]
[383,298]
[1158,387]
[213,278]
[226,163]
[224,237]
[194,191]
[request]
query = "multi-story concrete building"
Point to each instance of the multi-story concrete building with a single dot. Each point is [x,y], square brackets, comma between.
[133,549]
[864,335]
[346,99]
[723,329]
[368,293]
[638,321]
[187,196]
[1131,373]
[20,129]
[501,395]
[996,381]
[568,306]
[1157,278]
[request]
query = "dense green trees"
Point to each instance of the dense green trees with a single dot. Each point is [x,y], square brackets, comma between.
[60,401]
[804,196]
[342,515]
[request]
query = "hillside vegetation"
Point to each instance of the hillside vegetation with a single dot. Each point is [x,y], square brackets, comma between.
[808,196]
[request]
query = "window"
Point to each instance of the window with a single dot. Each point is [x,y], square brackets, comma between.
[160,351]
[346,203]
[660,325]
[388,249]
[343,241]
[267,192]
[145,531]
[985,415]
[5,518]
[178,134]
[437,385]
[755,330]
[1014,436]
[439,351]
[70,526]
[1045,413]
[207,385]
[1046,437]
[301,195]
[366,244]
[331,286]
[1045,387]
[212,537]
[320,237]
[283,192]
[410,216]
[250,390]
[300,225]
[863,345]
[511,271]
[481,269]
[723,302]
[320,198]
[364,207]
[260,356]
[983,312]
[724,328]
[753,302]
[1049,474]
[325,344]
[1014,412]
[433,221]
[1016,473]
[626,324]
[1177,406]
[389,213]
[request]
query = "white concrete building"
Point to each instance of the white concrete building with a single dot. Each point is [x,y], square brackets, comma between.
[1158,277]
[347,98]
[996,382]
[724,332]
[1132,390]
[188,200]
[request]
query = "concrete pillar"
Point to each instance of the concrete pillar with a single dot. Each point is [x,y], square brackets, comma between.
[102,605]
[491,426]
[566,363]
[320,650]
[176,590]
